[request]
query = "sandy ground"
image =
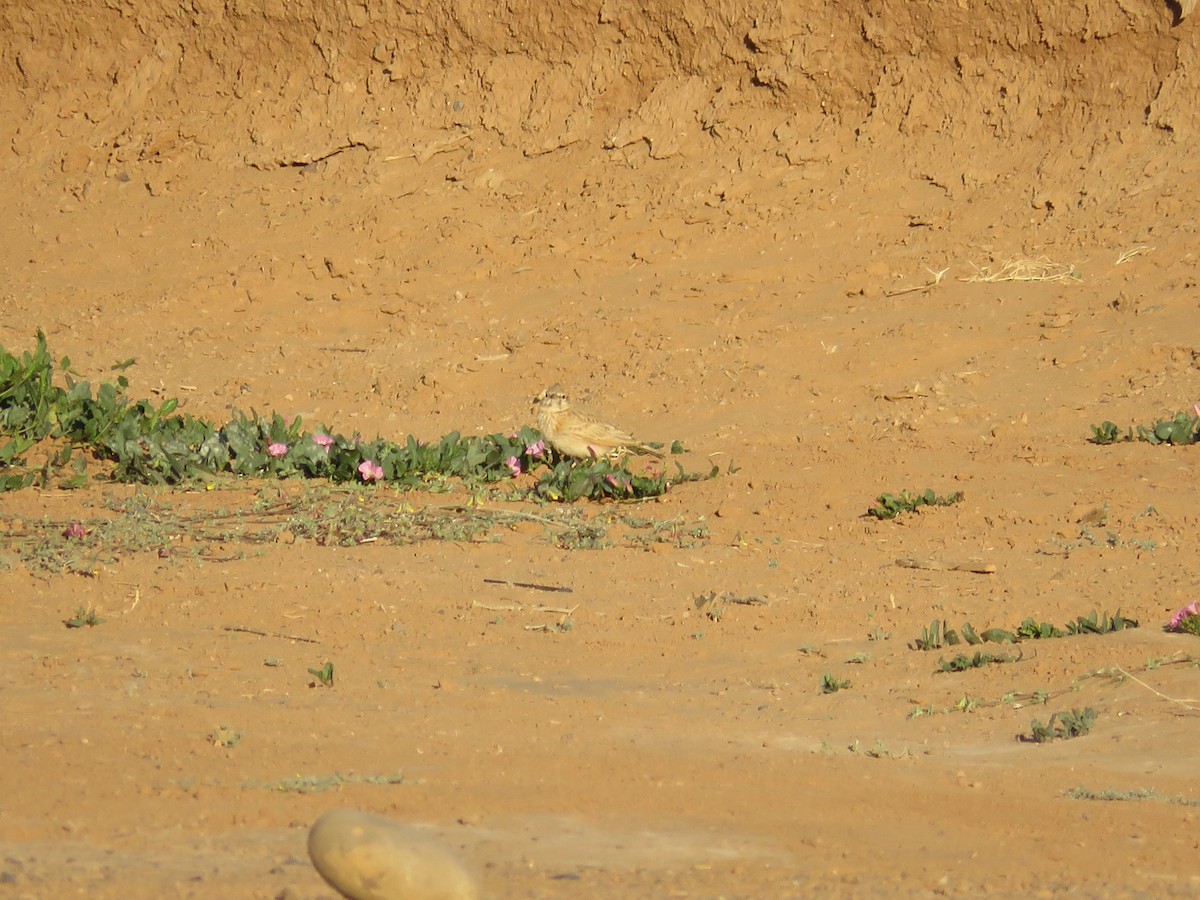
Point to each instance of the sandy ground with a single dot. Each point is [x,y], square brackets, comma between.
[770,233]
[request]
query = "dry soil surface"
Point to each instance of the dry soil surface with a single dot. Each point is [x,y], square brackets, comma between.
[834,249]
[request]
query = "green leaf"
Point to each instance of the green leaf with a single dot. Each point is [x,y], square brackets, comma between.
[999,636]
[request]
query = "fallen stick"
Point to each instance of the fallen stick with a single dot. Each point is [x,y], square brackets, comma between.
[532,587]
[516,606]
[274,634]
[936,565]
[1187,704]
[937,279]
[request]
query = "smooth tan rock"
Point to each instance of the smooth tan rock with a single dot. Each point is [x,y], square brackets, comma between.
[369,857]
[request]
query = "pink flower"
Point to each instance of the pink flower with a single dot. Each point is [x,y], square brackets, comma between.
[536,450]
[619,483]
[1192,609]
[369,471]
[277,450]
[514,465]
[323,440]
[75,530]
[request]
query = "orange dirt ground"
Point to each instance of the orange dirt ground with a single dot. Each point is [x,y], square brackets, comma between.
[756,228]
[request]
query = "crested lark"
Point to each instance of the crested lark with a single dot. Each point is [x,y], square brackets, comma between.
[573,433]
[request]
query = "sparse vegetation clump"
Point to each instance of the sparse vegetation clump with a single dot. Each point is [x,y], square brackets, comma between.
[888,506]
[85,617]
[323,675]
[1182,428]
[831,684]
[1186,620]
[141,442]
[1081,793]
[326,514]
[1062,726]
[939,634]
[962,662]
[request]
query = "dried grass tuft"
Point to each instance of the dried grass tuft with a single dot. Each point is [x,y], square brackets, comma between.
[1022,269]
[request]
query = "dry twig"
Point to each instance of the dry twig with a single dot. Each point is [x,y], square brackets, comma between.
[937,279]
[936,565]
[1193,705]
[274,634]
[531,586]
[1129,254]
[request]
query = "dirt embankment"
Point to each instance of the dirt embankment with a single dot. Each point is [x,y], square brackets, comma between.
[287,83]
